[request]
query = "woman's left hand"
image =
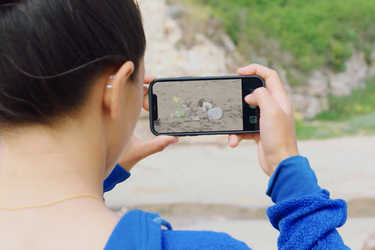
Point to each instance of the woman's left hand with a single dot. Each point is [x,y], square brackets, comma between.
[138,149]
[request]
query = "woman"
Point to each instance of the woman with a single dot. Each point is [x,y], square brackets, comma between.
[71,91]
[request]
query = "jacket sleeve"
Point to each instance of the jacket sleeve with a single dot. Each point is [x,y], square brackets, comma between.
[118,175]
[303,212]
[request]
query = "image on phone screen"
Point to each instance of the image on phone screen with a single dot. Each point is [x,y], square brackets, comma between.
[198,106]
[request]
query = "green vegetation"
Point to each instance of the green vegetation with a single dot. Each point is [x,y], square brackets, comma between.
[318,33]
[307,130]
[348,115]
[360,101]
[364,124]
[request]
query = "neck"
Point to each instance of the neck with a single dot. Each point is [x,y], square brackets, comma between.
[38,165]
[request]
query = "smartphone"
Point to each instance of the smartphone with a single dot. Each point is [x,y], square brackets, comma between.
[191,106]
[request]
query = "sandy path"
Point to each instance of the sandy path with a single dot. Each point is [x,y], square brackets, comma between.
[219,174]
[216,174]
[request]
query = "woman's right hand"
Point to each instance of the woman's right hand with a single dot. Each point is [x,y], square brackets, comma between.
[277,138]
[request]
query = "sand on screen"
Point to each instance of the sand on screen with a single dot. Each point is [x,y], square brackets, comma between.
[226,94]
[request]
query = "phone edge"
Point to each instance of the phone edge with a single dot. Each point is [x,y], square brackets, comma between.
[182,134]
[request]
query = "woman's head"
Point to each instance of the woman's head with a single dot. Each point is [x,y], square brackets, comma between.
[51,52]
[56,57]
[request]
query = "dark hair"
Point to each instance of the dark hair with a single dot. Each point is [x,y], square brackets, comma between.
[51,51]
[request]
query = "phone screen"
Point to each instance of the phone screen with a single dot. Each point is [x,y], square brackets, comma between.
[204,106]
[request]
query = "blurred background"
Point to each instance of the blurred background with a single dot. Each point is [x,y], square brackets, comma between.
[324,52]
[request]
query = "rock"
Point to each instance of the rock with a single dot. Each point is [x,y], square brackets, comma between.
[372,63]
[163,58]
[259,60]
[314,99]
[228,43]
[284,79]
[354,77]
[176,11]
[314,107]
[308,105]
[299,102]
[286,58]
[318,84]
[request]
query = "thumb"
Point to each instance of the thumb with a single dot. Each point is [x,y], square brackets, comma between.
[157,145]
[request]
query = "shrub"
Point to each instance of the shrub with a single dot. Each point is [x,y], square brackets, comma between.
[318,33]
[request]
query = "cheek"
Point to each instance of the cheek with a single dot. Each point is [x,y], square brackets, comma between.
[140,96]
[138,101]
[133,104]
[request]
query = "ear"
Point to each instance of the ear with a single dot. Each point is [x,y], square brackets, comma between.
[112,96]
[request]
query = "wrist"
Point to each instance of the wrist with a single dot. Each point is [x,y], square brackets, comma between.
[275,162]
[128,167]
[293,178]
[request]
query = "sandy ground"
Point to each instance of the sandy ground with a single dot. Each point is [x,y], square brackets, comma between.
[213,187]
[227,95]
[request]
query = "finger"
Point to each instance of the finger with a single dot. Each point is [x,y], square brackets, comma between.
[156,145]
[269,75]
[234,140]
[262,98]
[149,79]
[146,105]
[273,83]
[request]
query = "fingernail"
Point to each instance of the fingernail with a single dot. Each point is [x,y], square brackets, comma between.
[230,140]
[174,141]
[248,98]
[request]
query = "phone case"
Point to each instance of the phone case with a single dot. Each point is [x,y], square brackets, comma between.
[153,112]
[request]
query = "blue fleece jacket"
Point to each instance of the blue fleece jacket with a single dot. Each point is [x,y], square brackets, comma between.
[304,214]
